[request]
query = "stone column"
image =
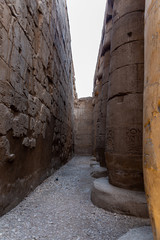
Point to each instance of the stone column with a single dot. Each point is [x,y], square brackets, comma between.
[101,120]
[125,96]
[102,86]
[152,113]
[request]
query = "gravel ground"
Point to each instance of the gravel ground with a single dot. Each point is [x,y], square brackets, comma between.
[60,209]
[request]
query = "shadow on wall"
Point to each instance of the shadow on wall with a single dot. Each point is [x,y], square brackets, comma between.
[36,95]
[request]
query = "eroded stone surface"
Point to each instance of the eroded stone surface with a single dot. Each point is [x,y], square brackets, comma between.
[114,199]
[83,126]
[36,94]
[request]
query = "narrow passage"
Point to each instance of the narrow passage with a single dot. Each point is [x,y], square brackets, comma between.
[60,209]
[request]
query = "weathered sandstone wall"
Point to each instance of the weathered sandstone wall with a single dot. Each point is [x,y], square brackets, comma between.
[36,95]
[151,140]
[83,126]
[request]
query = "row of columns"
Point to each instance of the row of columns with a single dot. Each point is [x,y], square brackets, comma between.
[126,105]
[119,94]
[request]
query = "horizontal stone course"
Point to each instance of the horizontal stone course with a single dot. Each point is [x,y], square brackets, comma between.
[36,94]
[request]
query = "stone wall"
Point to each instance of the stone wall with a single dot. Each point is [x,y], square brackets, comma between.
[36,95]
[83,126]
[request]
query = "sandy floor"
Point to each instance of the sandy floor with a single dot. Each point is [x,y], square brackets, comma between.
[60,209]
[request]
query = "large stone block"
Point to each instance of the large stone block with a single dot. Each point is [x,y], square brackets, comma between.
[123,7]
[17,82]
[126,55]
[125,80]
[6,120]
[20,125]
[33,105]
[128,28]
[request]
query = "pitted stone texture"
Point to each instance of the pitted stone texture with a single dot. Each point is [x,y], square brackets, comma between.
[31,143]
[20,125]
[36,94]
[128,28]
[122,81]
[5,154]
[6,119]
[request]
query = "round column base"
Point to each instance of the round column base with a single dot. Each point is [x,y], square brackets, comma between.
[114,199]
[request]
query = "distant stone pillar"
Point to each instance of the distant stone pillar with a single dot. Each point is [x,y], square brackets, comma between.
[125,96]
[103,75]
[101,121]
[152,113]
[100,140]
